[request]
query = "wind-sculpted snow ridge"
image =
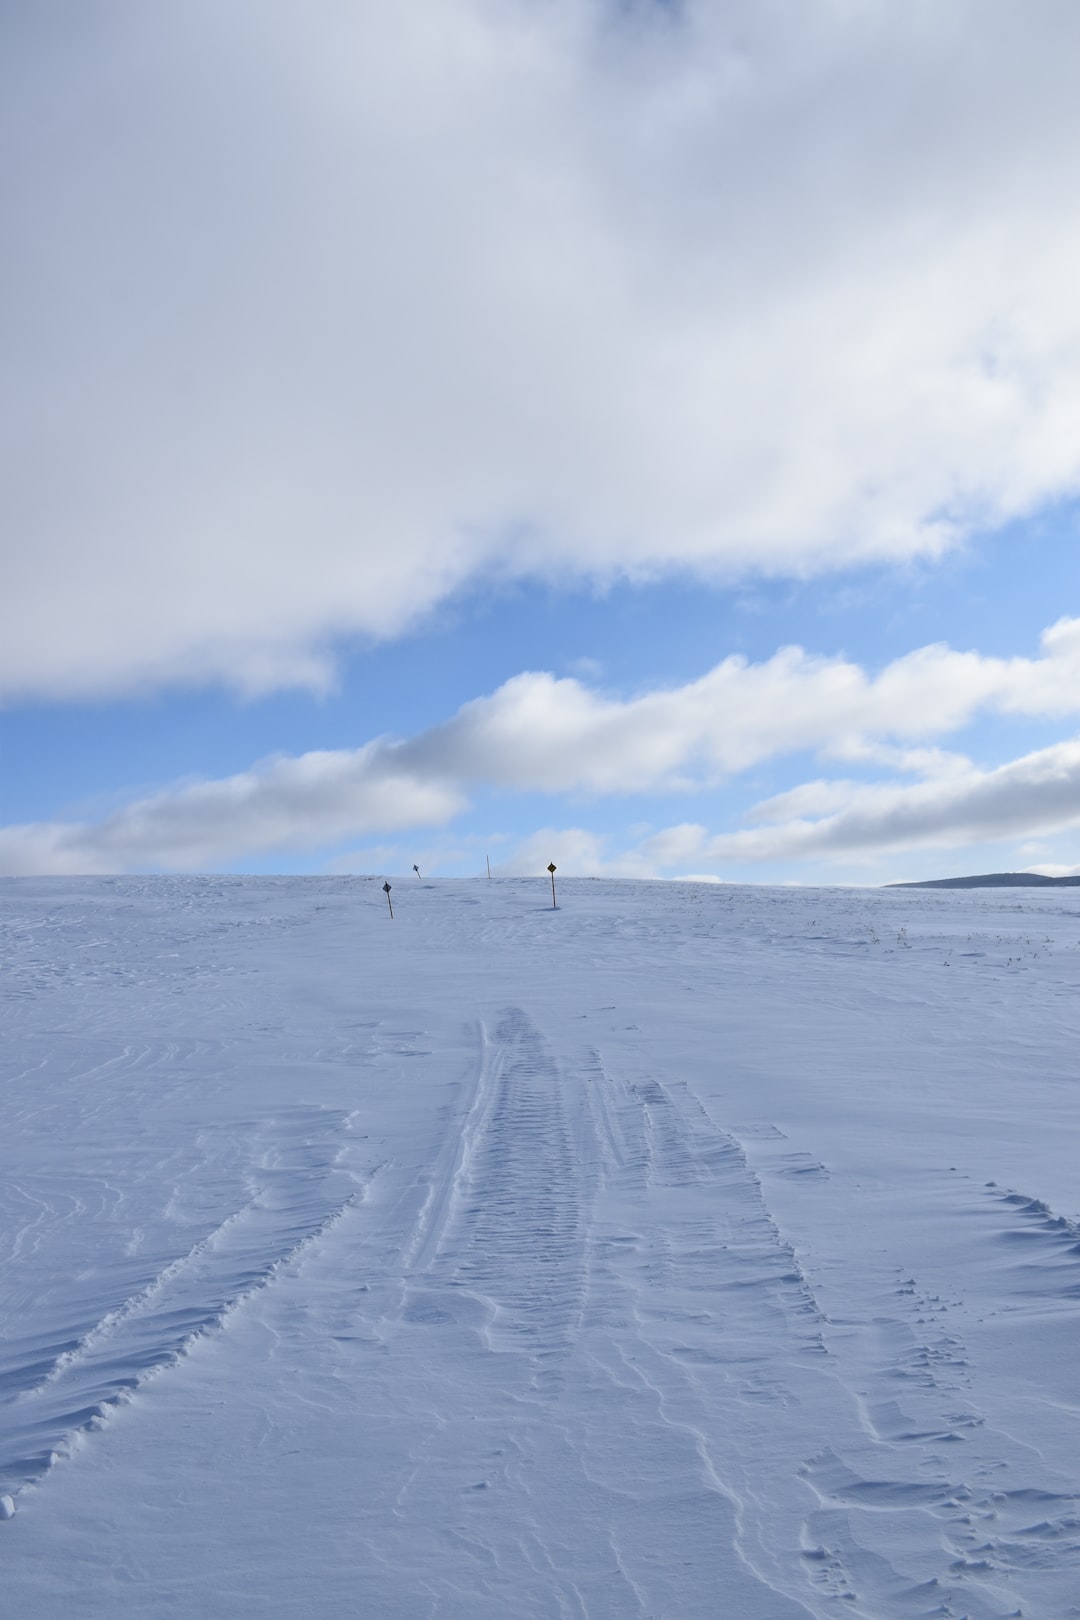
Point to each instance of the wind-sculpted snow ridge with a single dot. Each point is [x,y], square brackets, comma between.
[56,1384]
[658,1256]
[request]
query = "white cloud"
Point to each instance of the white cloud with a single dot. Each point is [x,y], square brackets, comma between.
[853,822]
[1037,794]
[323,312]
[282,804]
[540,734]
[544,734]
[575,852]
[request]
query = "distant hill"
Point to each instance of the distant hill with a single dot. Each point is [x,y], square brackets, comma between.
[994,880]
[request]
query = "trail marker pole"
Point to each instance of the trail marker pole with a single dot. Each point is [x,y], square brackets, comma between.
[553,869]
[386,891]
[488,859]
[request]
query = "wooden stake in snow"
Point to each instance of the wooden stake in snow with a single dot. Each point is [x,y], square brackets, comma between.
[386,891]
[553,869]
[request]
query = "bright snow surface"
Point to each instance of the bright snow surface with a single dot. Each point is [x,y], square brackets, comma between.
[688,1251]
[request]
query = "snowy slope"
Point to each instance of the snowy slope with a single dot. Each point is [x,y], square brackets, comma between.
[686,1252]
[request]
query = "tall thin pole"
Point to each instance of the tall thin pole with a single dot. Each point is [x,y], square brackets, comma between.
[386,891]
[553,869]
[488,859]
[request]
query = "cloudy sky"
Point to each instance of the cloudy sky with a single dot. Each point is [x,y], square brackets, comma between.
[641,435]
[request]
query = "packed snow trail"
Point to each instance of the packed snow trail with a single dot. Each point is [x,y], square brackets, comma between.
[686,1252]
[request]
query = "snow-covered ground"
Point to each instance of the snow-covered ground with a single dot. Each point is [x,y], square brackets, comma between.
[685,1252]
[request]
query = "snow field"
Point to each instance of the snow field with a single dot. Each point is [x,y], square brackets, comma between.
[688,1251]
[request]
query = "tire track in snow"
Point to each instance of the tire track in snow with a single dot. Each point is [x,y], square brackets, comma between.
[532,1275]
[513,1231]
[697,1313]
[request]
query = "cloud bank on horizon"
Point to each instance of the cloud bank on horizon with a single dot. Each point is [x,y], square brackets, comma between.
[538,734]
[327,317]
